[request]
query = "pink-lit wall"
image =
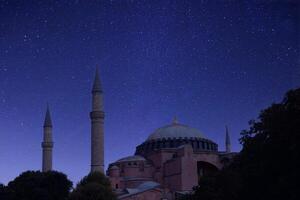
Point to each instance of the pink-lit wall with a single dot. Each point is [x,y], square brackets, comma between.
[174,169]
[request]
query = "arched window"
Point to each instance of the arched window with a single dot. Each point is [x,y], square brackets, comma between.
[158,144]
[205,168]
[152,145]
[142,167]
[178,143]
[171,144]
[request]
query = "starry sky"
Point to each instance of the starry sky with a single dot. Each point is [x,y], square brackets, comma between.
[211,63]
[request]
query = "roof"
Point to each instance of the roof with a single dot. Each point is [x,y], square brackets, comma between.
[148,185]
[131,158]
[175,130]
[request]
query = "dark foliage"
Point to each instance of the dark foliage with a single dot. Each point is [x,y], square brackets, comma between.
[95,186]
[3,192]
[268,165]
[35,185]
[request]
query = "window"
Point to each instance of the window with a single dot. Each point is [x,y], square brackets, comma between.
[141,167]
[117,186]
[158,144]
[203,147]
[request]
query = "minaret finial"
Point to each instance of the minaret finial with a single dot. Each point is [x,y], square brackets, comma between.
[48,121]
[97,83]
[227,141]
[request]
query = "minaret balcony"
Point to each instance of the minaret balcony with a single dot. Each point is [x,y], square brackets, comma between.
[47,144]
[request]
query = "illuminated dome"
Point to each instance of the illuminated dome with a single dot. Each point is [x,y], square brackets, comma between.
[174,136]
[175,130]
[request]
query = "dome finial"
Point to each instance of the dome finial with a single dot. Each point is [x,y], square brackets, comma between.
[175,120]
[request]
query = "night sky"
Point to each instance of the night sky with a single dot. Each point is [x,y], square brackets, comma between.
[211,63]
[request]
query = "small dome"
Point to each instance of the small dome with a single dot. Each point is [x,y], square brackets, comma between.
[131,158]
[175,130]
[148,185]
[114,167]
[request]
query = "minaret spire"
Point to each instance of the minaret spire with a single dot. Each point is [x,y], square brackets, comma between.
[47,144]
[48,121]
[97,83]
[97,128]
[227,141]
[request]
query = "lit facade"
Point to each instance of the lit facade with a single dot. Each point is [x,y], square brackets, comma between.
[168,164]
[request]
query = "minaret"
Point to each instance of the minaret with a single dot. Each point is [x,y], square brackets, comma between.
[47,143]
[227,141]
[97,130]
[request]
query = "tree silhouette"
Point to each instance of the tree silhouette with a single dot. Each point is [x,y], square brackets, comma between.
[94,186]
[268,165]
[36,185]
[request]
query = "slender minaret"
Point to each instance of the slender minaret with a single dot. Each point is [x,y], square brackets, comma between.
[97,132]
[227,141]
[47,143]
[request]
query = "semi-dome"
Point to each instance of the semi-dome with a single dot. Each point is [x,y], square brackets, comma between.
[131,158]
[114,167]
[175,130]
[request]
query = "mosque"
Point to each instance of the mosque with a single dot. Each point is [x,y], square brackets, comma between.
[167,165]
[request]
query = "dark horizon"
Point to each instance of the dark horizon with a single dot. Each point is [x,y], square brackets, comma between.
[211,64]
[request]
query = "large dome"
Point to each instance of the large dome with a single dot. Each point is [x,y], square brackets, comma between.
[174,136]
[175,130]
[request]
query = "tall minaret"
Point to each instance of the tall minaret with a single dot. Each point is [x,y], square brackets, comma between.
[227,141]
[97,130]
[47,143]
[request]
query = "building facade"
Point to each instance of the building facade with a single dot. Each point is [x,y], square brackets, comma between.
[168,164]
